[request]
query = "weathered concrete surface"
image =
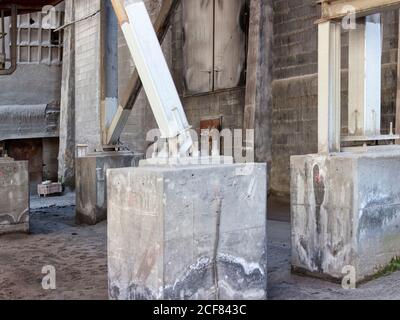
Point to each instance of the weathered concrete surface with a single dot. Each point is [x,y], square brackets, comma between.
[29,121]
[195,232]
[31,84]
[66,157]
[14,196]
[345,212]
[91,192]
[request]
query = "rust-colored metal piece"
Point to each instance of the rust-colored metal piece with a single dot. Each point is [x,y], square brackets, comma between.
[119,9]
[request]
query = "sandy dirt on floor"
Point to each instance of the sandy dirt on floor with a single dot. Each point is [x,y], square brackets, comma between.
[77,253]
[79,256]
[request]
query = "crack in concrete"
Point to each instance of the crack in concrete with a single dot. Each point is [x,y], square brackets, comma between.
[216,247]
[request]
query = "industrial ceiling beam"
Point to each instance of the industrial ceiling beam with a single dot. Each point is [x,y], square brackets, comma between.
[337,9]
[134,85]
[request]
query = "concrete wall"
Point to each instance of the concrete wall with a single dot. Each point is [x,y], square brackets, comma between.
[29,102]
[295,85]
[31,84]
[29,121]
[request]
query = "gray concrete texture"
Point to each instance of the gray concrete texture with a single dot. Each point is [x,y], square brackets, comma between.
[14,196]
[345,212]
[91,192]
[31,84]
[195,232]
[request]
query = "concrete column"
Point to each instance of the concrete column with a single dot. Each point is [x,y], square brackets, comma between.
[110,67]
[258,101]
[66,155]
[88,72]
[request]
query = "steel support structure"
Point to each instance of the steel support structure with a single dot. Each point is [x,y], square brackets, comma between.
[155,76]
[365,74]
[129,96]
[365,65]
[329,56]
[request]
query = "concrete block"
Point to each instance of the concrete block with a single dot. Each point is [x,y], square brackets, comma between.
[14,196]
[187,233]
[91,191]
[345,212]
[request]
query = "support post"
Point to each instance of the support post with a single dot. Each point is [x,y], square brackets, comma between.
[109,83]
[154,73]
[398,89]
[258,100]
[365,56]
[129,96]
[66,156]
[329,53]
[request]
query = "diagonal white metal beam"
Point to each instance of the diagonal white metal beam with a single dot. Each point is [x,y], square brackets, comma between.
[134,86]
[329,66]
[153,71]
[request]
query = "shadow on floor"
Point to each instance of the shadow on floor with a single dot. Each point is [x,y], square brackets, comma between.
[279,208]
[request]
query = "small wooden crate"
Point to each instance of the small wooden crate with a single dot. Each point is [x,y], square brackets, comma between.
[49,189]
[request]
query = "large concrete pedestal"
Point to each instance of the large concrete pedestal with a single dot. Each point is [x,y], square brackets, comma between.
[14,196]
[345,212]
[91,191]
[195,232]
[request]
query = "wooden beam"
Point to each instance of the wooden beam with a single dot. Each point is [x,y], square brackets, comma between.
[337,9]
[129,97]
[258,99]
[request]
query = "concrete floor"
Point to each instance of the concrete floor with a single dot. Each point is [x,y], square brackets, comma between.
[79,256]
[77,253]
